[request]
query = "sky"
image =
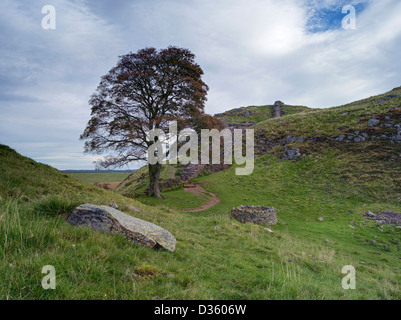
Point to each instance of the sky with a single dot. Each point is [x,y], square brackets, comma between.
[252,52]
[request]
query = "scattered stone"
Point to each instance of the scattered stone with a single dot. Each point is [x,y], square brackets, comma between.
[110,220]
[247,113]
[321,219]
[255,214]
[340,137]
[269,230]
[293,153]
[385,217]
[371,214]
[363,263]
[216,228]
[113,204]
[373,122]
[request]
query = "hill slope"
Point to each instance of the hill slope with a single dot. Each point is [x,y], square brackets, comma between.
[320,199]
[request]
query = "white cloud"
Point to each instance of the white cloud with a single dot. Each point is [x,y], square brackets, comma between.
[253,52]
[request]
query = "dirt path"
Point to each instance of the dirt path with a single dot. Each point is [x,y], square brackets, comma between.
[199,190]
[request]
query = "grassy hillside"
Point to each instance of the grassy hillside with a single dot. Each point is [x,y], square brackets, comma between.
[216,257]
[99,177]
[336,181]
[257,113]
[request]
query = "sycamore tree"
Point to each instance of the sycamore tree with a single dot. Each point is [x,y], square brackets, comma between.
[144,91]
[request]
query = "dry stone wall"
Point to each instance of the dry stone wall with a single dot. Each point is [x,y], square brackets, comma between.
[255,214]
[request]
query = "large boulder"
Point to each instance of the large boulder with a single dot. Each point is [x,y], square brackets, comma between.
[107,219]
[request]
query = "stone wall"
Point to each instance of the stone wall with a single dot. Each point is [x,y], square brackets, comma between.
[255,214]
[278,109]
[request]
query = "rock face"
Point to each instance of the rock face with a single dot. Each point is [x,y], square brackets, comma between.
[255,214]
[110,220]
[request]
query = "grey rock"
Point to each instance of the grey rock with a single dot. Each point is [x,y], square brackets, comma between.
[373,122]
[340,137]
[300,139]
[247,113]
[110,220]
[113,204]
[293,153]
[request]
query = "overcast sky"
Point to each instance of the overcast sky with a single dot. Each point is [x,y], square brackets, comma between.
[253,52]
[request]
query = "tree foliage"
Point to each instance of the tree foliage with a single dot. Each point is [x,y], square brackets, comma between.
[144,91]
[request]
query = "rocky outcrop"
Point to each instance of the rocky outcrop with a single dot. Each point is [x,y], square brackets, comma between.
[385,217]
[381,128]
[110,220]
[255,214]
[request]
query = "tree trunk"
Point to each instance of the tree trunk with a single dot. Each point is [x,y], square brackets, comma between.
[154,175]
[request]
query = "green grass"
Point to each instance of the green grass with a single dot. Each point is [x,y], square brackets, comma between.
[99,177]
[258,113]
[301,259]
[177,199]
[339,182]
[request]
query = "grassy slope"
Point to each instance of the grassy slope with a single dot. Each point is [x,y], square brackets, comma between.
[337,181]
[258,113]
[302,259]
